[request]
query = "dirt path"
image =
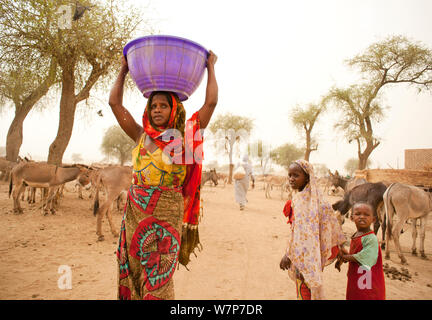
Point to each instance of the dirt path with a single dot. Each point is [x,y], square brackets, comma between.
[239,260]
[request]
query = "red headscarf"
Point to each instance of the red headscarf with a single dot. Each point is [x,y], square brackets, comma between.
[188,151]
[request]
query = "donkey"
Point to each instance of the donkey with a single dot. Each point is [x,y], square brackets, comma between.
[84,181]
[366,192]
[41,175]
[6,167]
[406,202]
[346,184]
[209,176]
[115,180]
[324,183]
[223,177]
[277,181]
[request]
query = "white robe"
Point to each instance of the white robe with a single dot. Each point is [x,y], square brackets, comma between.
[241,186]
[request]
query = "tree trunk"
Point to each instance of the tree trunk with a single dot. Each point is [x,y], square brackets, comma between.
[364,156]
[362,161]
[308,145]
[15,133]
[123,157]
[67,115]
[307,154]
[69,102]
[231,167]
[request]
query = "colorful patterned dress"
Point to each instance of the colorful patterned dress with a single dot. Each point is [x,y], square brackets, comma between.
[366,278]
[151,227]
[315,237]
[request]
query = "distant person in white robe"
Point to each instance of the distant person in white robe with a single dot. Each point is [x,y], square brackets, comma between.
[241,185]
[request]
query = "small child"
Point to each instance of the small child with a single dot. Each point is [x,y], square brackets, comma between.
[315,233]
[365,269]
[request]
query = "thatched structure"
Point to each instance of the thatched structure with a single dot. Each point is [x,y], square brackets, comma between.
[413,177]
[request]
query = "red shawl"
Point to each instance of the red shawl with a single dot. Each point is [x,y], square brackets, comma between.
[288,212]
[188,151]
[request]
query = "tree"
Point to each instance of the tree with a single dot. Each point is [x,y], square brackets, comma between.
[229,129]
[26,74]
[86,50]
[305,119]
[96,41]
[395,60]
[352,164]
[285,154]
[117,143]
[260,151]
[358,118]
[320,169]
[76,157]
[25,95]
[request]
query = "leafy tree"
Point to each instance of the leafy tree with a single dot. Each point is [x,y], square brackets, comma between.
[285,154]
[26,74]
[395,60]
[116,143]
[305,119]
[84,50]
[320,169]
[260,151]
[76,157]
[352,165]
[358,118]
[229,129]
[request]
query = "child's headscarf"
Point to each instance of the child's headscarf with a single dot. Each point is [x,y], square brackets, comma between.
[186,150]
[316,233]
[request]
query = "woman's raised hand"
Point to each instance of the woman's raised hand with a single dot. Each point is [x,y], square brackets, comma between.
[124,64]
[211,98]
[212,58]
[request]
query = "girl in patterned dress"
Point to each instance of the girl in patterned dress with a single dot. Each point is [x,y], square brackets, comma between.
[159,228]
[365,269]
[315,233]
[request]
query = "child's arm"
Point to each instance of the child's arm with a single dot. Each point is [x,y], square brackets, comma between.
[343,256]
[368,256]
[349,258]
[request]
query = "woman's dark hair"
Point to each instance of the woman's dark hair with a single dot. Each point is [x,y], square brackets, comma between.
[164,93]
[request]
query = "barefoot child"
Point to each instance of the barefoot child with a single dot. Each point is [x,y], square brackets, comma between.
[365,270]
[315,233]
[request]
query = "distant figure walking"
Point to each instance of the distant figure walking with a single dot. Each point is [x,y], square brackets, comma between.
[241,186]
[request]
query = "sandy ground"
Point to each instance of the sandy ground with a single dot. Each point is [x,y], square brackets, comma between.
[240,258]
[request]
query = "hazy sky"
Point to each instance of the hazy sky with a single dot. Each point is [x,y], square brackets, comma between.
[272,56]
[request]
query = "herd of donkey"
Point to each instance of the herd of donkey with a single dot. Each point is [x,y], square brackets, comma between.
[394,204]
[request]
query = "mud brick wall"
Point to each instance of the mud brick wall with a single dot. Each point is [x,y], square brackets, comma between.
[418,159]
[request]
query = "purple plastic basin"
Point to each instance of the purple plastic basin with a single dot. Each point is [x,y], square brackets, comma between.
[166,63]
